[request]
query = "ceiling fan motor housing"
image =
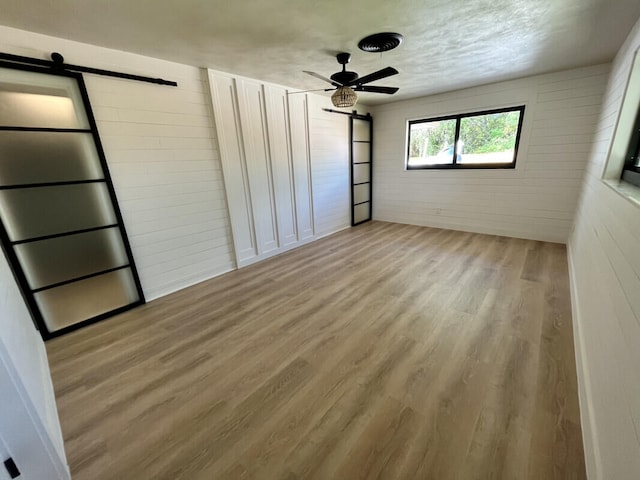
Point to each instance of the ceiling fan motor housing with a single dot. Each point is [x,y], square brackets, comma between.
[344,77]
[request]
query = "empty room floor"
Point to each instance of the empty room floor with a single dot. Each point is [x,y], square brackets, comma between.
[383,351]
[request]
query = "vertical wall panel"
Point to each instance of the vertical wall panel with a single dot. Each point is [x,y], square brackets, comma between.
[255,140]
[277,122]
[223,91]
[299,128]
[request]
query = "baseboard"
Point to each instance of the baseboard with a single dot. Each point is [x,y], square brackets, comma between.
[589,431]
[478,229]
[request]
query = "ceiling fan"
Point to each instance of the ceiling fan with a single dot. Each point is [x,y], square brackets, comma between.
[346,83]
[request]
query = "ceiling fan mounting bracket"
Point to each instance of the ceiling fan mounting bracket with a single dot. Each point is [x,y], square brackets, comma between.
[343,58]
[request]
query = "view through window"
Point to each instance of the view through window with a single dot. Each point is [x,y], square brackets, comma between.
[486,139]
[631,171]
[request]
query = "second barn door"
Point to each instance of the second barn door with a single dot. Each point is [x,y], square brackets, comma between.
[361,128]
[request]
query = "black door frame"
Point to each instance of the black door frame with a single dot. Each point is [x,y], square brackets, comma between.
[368,118]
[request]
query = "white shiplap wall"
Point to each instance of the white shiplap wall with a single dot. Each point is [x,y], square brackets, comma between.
[329,152]
[537,200]
[163,157]
[605,274]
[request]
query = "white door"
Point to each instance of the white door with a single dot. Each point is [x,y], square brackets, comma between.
[23,437]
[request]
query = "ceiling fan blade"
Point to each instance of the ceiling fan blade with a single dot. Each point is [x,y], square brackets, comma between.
[320,77]
[372,77]
[314,90]
[374,89]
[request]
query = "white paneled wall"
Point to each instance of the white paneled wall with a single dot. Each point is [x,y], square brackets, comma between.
[535,200]
[329,144]
[264,144]
[163,158]
[605,274]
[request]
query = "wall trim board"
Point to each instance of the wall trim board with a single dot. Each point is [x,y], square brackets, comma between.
[192,280]
[327,234]
[589,430]
[480,229]
[280,251]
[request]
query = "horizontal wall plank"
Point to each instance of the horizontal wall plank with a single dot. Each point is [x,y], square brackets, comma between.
[605,267]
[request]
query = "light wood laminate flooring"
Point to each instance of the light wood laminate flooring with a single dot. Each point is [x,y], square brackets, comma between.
[384,351]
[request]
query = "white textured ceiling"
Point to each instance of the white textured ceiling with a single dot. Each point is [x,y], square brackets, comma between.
[449,44]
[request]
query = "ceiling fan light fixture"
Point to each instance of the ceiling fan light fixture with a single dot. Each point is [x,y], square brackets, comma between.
[344,97]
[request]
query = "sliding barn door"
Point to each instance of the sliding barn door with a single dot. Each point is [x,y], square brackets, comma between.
[60,225]
[361,128]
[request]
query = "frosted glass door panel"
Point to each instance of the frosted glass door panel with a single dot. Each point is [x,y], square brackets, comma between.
[29,99]
[361,173]
[361,193]
[361,212]
[35,212]
[33,110]
[361,153]
[361,130]
[44,157]
[75,302]
[47,262]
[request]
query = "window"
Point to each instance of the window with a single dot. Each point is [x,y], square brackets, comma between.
[470,140]
[631,172]
[622,170]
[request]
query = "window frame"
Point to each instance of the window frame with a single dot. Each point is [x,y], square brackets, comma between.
[631,171]
[458,117]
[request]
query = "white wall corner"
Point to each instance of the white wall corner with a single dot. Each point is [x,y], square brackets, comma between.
[593,463]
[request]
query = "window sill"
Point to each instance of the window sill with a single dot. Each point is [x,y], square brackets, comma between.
[627,190]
